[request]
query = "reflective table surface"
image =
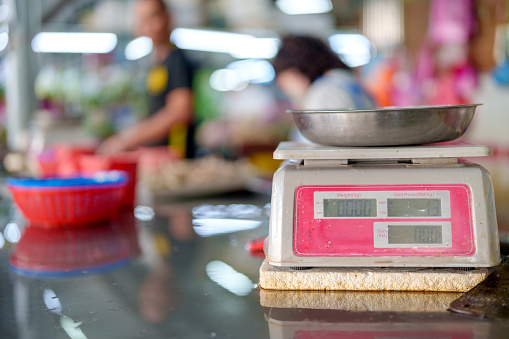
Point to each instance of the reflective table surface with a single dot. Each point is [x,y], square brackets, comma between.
[180,270]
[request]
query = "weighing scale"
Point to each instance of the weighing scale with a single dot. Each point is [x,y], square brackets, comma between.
[380,207]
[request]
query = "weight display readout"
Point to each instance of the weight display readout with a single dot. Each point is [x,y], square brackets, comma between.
[342,208]
[400,204]
[414,208]
[376,221]
[414,234]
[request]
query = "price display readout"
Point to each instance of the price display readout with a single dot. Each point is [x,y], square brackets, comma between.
[343,208]
[414,208]
[414,234]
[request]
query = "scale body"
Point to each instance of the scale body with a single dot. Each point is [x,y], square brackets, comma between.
[412,206]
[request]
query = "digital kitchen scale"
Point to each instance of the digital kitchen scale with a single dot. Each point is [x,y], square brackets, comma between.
[404,206]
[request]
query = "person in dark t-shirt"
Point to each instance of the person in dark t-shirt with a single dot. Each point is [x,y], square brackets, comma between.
[169,87]
[174,73]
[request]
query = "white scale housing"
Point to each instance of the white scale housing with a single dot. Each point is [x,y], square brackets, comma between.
[413,206]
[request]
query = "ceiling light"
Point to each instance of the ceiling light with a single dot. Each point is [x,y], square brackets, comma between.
[242,46]
[224,80]
[138,48]
[353,49]
[255,48]
[258,71]
[294,7]
[63,42]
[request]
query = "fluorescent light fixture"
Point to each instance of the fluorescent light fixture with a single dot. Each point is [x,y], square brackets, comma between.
[294,7]
[62,42]
[229,279]
[210,227]
[353,49]
[138,48]
[4,40]
[241,46]
[256,48]
[258,71]
[239,74]
[224,80]
[204,40]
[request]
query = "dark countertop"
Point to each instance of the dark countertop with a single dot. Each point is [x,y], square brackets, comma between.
[157,276]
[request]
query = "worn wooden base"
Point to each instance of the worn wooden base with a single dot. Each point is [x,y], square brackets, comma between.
[370,278]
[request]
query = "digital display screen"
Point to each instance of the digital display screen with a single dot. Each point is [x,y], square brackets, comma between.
[414,208]
[342,208]
[414,234]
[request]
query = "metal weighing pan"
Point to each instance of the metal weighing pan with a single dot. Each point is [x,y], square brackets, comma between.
[392,126]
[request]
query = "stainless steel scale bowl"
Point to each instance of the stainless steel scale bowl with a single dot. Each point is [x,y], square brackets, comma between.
[385,127]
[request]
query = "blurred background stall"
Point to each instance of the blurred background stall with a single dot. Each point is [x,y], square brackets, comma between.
[72,72]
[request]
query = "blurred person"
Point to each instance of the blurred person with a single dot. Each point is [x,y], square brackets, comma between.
[169,88]
[314,78]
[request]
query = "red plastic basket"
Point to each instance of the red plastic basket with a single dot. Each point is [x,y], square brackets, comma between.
[68,206]
[125,162]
